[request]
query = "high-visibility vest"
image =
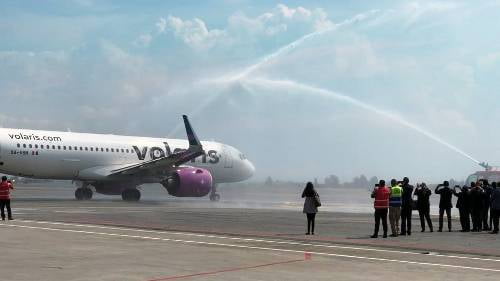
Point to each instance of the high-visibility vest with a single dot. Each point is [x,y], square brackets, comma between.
[5,188]
[396,195]
[382,198]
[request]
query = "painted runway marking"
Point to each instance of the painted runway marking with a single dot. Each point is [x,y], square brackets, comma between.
[225,270]
[260,240]
[254,248]
[75,211]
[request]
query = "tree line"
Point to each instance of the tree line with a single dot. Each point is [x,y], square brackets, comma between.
[361,181]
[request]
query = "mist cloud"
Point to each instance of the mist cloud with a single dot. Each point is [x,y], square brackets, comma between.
[135,72]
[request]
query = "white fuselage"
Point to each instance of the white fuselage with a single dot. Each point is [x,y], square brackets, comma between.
[86,157]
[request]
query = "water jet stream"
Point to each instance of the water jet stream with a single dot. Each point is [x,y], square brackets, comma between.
[230,78]
[288,84]
[242,77]
[285,49]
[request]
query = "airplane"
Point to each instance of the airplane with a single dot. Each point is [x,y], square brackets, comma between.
[117,165]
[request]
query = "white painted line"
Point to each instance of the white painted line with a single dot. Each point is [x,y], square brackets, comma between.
[253,247]
[111,207]
[261,240]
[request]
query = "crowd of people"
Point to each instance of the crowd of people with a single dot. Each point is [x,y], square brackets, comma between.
[479,202]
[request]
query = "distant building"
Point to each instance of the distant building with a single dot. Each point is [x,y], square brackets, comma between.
[269,181]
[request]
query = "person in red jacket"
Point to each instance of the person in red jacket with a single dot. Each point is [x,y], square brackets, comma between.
[5,187]
[381,194]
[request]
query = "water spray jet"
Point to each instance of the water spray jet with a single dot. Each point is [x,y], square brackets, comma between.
[242,77]
[234,78]
[337,96]
[287,48]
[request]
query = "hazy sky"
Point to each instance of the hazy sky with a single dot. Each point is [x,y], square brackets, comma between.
[134,67]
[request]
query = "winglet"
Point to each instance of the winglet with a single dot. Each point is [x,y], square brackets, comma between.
[193,139]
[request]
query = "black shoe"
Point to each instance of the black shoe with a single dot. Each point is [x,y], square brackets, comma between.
[308,233]
[440,230]
[385,236]
[494,232]
[423,230]
[11,218]
[402,234]
[374,236]
[394,235]
[432,230]
[312,233]
[449,230]
[409,233]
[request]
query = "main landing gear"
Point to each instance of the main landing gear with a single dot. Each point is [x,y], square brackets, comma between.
[83,193]
[131,195]
[214,196]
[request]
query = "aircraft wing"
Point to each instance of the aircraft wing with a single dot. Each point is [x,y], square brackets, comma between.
[169,162]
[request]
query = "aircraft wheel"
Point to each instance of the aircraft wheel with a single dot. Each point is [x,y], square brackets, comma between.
[87,193]
[83,193]
[79,194]
[131,195]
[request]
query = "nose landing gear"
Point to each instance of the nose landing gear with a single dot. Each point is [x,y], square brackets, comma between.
[214,196]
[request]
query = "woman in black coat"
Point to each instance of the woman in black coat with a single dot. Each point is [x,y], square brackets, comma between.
[311,204]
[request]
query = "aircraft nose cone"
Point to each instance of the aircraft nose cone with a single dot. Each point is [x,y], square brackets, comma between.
[250,169]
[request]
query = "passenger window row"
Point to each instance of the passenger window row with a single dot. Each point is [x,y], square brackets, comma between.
[75,148]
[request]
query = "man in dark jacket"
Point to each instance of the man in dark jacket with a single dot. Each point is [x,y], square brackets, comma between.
[476,205]
[406,207]
[423,194]
[493,187]
[463,206]
[495,208]
[486,205]
[445,203]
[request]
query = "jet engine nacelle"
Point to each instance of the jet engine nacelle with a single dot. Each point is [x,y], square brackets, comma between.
[189,182]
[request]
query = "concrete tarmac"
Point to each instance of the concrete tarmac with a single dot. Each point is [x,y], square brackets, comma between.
[103,239]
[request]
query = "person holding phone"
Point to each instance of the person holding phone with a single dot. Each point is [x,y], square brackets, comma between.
[406,208]
[423,194]
[462,195]
[381,194]
[5,187]
[476,205]
[445,203]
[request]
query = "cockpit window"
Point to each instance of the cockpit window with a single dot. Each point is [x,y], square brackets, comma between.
[242,156]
